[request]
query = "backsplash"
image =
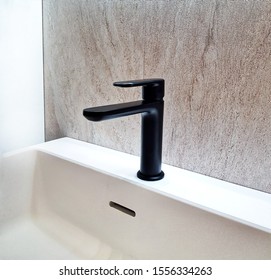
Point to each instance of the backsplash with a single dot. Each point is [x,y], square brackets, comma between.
[215,57]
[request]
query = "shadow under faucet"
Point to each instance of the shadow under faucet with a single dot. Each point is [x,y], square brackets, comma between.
[151,109]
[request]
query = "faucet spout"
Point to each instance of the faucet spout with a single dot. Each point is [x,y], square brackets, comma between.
[151,109]
[109,112]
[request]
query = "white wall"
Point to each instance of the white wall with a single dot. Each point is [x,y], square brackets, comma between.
[21,74]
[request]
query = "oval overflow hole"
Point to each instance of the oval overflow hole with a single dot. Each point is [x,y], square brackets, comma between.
[122,208]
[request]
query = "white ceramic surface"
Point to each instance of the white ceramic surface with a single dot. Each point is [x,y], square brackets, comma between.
[55,204]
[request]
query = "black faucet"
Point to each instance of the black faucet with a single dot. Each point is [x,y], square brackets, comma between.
[151,108]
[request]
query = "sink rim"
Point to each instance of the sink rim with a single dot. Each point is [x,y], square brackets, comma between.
[231,201]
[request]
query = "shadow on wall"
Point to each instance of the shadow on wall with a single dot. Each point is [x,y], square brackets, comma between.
[21,98]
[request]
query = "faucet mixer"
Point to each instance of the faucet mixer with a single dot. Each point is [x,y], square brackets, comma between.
[151,109]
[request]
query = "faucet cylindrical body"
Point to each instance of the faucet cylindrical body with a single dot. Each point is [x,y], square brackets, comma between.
[151,143]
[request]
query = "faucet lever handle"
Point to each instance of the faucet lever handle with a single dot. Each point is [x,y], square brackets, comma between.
[152,89]
[137,83]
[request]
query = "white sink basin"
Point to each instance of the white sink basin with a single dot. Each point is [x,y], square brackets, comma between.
[67,199]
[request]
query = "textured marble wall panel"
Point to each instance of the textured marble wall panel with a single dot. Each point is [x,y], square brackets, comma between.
[214,55]
[87,46]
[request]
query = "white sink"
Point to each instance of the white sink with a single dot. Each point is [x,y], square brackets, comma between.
[68,199]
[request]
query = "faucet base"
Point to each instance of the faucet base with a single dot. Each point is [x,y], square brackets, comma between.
[149,177]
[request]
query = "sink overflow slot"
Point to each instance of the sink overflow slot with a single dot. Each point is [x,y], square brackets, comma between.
[122,208]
